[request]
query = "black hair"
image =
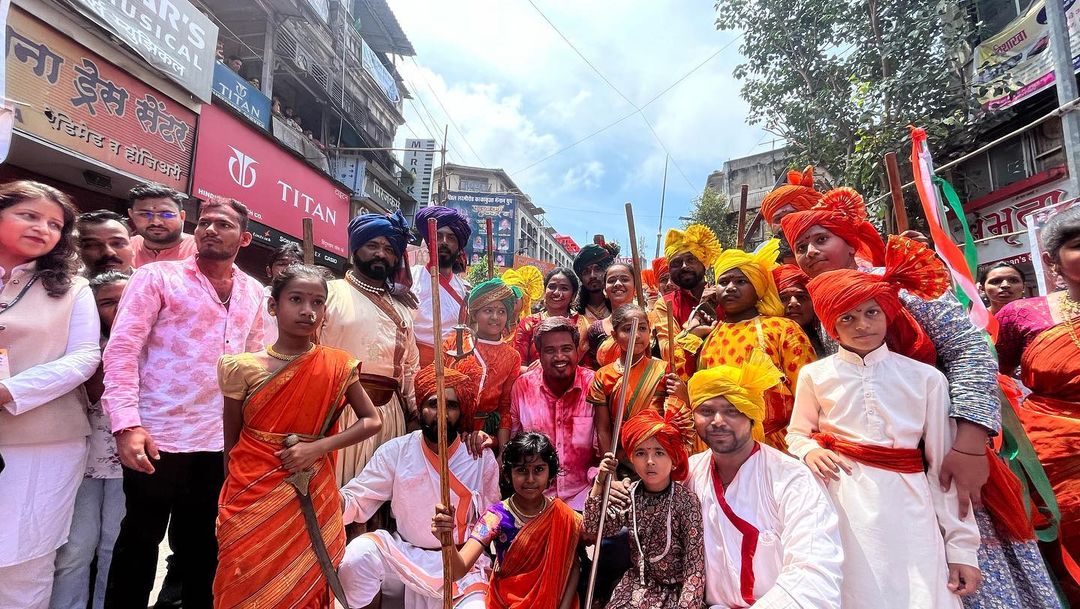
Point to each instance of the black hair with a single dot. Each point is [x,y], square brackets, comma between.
[289,250]
[556,324]
[296,271]
[530,444]
[238,208]
[1060,228]
[57,267]
[618,316]
[152,190]
[984,273]
[106,278]
[570,275]
[101,216]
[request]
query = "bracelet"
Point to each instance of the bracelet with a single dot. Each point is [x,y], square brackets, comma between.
[967,453]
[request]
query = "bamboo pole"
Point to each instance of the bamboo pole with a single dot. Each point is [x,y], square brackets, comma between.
[634,252]
[440,388]
[740,231]
[490,249]
[309,242]
[671,337]
[897,192]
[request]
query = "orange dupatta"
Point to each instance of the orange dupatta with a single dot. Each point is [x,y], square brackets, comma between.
[264,553]
[536,567]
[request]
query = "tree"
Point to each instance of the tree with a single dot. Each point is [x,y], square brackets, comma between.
[711,209]
[478,272]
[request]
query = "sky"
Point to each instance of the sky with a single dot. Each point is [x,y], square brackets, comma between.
[516,92]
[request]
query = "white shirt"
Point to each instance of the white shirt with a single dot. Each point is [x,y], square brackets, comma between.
[269,321]
[450,309]
[797,557]
[400,472]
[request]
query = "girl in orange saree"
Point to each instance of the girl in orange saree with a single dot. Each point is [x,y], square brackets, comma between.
[536,538]
[294,387]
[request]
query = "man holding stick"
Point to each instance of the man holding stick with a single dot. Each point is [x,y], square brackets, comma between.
[689,252]
[450,240]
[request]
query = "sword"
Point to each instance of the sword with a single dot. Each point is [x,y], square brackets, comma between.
[300,481]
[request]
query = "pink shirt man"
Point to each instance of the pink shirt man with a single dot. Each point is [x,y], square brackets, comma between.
[567,420]
[161,360]
[144,255]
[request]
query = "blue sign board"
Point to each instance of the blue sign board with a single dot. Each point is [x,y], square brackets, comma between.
[378,71]
[242,96]
[478,207]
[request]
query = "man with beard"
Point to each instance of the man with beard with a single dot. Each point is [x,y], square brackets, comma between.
[157,213]
[453,233]
[590,264]
[104,243]
[689,252]
[404,471]
[364,319]
[772,534]
[175,320]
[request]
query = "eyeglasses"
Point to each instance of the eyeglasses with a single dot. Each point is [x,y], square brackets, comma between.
[150,215]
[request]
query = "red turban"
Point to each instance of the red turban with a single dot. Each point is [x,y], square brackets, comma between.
[464,385]
[798,192]
[842,212]
[660,267]
[674,432]
[909,265]
[789,276]
[648,279]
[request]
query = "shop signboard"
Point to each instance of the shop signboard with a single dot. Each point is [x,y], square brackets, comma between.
[568,244]
[1000,229]
[273,238]
[171,35]
[522,260]
[479,206]
[242,96]
[77,100]
[235,160]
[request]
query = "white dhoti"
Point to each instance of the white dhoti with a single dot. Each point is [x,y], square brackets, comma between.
[379,561]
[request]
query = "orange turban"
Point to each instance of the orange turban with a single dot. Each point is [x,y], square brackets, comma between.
[674,432]
[842,212]
[464,385]
[660,267]
[909,265]
[798,192]
[789,276]
[648,279]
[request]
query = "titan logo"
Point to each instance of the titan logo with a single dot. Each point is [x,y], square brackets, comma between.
[242,169]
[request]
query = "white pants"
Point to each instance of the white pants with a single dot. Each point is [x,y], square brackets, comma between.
[28,584]
[99,508]
[369,568]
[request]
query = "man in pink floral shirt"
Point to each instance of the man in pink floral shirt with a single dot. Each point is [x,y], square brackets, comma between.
[161,393]
[551,400]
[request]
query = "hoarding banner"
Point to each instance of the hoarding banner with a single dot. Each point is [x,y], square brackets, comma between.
[479,206]
[81,102]
[242,96]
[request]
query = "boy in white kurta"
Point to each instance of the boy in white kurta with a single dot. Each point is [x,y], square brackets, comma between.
[860,417]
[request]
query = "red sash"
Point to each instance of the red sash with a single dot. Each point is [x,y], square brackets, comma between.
[749,534]
[444,281]
[899,460]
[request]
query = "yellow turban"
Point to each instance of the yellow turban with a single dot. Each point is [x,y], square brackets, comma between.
[758,269]
[743,386]
[531,282]
[697,239]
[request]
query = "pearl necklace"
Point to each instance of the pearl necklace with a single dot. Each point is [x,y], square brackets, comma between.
[360,285]
[286,358]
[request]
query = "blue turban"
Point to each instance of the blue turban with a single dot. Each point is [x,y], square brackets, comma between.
[448,217]
[365,227]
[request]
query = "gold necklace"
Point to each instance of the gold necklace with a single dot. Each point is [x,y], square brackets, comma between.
[1069,308]
[522,516]
[287,358]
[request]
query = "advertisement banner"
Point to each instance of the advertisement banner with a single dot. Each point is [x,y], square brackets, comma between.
[274,238]
[237,161]
[1000,229]
[544,266]
[171,35]
[241,96]
[378,71]
[1018,57]
[479,207]
[80,102]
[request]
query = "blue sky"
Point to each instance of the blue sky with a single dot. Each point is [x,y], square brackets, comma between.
[519,93]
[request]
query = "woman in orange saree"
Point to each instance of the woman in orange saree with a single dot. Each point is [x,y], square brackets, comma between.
[294,387]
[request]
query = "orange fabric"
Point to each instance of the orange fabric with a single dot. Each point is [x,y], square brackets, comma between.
[659,267]
[1002,496]
[909,265]
[899,460]
[646,387]
[789,276]
[427,354]
[464,385]
[608,353]
[457,487]
[799,192]
[264,552]
[842,212]
[674,431]
[496,366]
[536,567]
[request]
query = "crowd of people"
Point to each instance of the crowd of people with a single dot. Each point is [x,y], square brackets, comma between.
[810,424]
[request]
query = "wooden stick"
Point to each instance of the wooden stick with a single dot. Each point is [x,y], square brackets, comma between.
[440,388]
[490,250]
[309,242]
[627,363]
[671,338]
[753,226]
[897,192]
[740,231]
[634,253]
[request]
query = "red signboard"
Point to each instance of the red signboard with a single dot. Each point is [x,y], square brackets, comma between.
[568,244]
[73,98]
[234,160]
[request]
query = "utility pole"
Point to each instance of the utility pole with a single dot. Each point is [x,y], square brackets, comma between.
[442,164]
[1065,79]
[660,227]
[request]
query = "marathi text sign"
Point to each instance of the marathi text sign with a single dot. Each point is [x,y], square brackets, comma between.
[479,207]
[1019,57]
[999,230]
[171,35]
[81,102]
[241,96]
[235,160]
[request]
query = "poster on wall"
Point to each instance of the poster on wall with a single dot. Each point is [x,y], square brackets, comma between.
[1048,281]
[478,207]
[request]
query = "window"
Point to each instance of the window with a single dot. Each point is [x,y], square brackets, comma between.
[474,184]
[994,15]
[1017,159]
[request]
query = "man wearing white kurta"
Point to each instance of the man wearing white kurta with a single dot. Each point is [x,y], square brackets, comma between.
[405,472]
[771,536]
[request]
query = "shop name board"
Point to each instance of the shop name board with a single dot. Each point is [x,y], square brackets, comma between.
[1000,230]
[238,162]
[274,238]
[241,96]
[377,192]
[81,102]
[171,35]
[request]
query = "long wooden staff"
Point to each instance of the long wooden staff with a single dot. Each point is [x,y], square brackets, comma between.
[440,388]
[627,363]
[634,253]
[671,337]
[490,250]
[897,193]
